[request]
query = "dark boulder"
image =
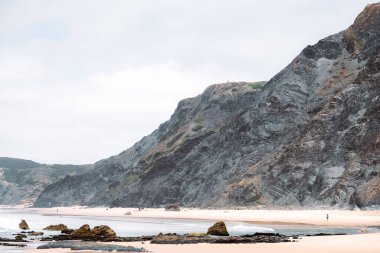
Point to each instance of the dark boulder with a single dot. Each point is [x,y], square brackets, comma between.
[218,229]
[20,237]
[36,233]
[97,233]
[103,231]
[83,231]
[23,225]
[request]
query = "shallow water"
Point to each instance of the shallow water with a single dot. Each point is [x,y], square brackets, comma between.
[123,226]
[129,226]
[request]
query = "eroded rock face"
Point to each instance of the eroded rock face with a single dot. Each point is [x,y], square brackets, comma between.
[218,229]
[364,33]
[310,136]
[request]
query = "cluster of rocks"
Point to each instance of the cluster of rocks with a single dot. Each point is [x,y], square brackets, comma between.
[10,242]
[87,238]
[250,238]
[20,238]
[216,234]
[85,233]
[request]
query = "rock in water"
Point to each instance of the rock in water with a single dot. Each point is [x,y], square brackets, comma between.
[23,225]
[219,229]
[103,231]
[36,233]
[20,237]
[83,231]
[67,231]
[97,233]
[58,227]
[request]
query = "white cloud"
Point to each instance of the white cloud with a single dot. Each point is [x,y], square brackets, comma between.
[16,69]
[83,80]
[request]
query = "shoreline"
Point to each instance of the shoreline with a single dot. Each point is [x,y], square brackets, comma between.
[363,241]
[341,218]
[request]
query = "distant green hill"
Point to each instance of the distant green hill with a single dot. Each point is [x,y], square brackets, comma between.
[14,163]
[21,181]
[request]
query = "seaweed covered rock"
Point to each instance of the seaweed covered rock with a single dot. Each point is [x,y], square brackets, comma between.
[20,237]
[83,231]
[58,227]
[97,233]
[103,231]
[33,233]
[218,229]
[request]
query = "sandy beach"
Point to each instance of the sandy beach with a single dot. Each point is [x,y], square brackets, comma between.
[344,218]
[362,242]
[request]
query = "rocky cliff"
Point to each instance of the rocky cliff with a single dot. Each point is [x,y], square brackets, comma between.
[21,181]
[310,136]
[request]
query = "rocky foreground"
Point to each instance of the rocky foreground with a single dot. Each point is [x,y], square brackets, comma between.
[87,238]
[216,234]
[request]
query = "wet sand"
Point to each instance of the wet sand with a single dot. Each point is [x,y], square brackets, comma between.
[363,243]
[343,218]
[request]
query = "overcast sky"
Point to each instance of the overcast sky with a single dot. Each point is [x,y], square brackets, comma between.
[84,80]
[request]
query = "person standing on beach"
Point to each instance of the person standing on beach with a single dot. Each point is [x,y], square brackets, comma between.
[327,217]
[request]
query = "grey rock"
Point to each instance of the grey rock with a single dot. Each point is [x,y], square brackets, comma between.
[253,238]
[308,137]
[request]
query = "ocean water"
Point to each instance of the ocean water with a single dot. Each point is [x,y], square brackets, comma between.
[123,226]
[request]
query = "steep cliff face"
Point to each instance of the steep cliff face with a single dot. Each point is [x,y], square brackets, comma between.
[310,136]
[21,181]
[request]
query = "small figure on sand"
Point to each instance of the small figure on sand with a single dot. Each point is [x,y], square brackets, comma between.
[327,217]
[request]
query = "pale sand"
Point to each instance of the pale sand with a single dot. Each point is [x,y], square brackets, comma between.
[361,243]
[310,217]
